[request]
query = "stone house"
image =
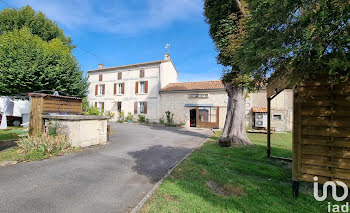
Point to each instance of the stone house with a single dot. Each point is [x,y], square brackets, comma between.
[131,88]
[203,104]
[151,89]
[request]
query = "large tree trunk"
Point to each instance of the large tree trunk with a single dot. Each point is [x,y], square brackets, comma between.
[234,130]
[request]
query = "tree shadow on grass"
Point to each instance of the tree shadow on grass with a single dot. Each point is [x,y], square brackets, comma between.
[266,182]
[156,161]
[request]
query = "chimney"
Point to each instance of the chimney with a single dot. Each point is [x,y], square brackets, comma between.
[166,56]
[101,66]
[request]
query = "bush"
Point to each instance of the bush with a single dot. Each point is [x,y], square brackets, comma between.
[129,117]
[141,119]
[169,117]
[43,146]
[161,120]
[93,111]
[121,117]
[52,127]
[110,114]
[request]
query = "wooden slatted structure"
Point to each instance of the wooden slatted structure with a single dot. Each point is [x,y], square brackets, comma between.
[42,104]
[321,130]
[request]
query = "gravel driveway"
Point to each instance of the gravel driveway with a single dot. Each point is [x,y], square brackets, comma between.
[110,178]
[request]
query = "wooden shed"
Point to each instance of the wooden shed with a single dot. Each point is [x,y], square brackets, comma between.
[45,104]
[321,129]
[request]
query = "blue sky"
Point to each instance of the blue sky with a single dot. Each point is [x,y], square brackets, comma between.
[124,32]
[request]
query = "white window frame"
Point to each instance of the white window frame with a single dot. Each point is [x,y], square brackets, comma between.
[142,86]
[141,107]
[99,106]
[100,89]
[119,88]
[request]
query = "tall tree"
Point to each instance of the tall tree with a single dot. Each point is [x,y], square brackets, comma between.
[297,39]
[36,55]
[227,20]
[30,64]
[37,22]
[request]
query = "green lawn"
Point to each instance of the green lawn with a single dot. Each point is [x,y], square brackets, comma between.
[236,179]
[11,133]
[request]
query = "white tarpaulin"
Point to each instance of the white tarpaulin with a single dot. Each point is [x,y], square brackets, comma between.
[6,106]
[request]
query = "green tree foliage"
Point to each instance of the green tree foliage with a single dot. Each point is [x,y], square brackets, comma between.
[297,37]
[36,55]
[38,24]
[29,63]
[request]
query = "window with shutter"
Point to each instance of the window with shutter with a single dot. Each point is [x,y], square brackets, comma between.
[100,77]
[120,88]
[146,86]
[142,73]
[142,87]
[137,87]
[103,89]
[135,107]
[96,90]
[120,75]
[115,89]
[123,88]
[145,107]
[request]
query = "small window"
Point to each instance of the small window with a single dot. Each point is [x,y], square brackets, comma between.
[119,88]
[100,90]
[142,107]
[119,75]
[100,106]
[100,77]
[277,117]
[142,87]
[142,73]
[119,105]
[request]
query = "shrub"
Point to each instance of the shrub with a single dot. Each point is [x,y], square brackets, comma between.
[129,117]
[92,111]
[121,117]
[52,127]
[110,114]
[161,120]
[44,145]
[169,117]
[142,119]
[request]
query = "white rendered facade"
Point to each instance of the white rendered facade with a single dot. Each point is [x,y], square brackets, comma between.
[135,90]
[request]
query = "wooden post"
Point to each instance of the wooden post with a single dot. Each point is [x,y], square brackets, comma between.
[268,127]
[36,121]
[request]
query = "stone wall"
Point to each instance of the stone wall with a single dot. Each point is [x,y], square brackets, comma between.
[81,131]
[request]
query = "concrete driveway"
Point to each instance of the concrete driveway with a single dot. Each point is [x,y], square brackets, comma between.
[110,178]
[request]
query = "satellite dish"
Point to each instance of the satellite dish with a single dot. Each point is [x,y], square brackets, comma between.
[56,93]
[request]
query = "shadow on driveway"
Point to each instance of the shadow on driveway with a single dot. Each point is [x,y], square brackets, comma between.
[180,131]
[155,161]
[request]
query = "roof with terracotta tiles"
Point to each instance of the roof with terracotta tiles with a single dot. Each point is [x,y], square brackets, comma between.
[259,109]
[199,85]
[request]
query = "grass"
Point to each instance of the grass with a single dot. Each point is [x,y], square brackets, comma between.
[11,133]
[236,179]
[19,154]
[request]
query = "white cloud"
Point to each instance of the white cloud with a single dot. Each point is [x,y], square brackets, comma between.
[122,17]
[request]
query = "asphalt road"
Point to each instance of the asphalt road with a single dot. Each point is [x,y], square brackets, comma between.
[110,178]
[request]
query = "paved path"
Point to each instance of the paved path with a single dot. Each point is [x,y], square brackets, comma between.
[110,178]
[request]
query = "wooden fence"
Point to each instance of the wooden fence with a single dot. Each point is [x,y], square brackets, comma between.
[321,132]
[48,104]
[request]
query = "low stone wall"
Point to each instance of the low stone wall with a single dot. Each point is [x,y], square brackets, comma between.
[81,130]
